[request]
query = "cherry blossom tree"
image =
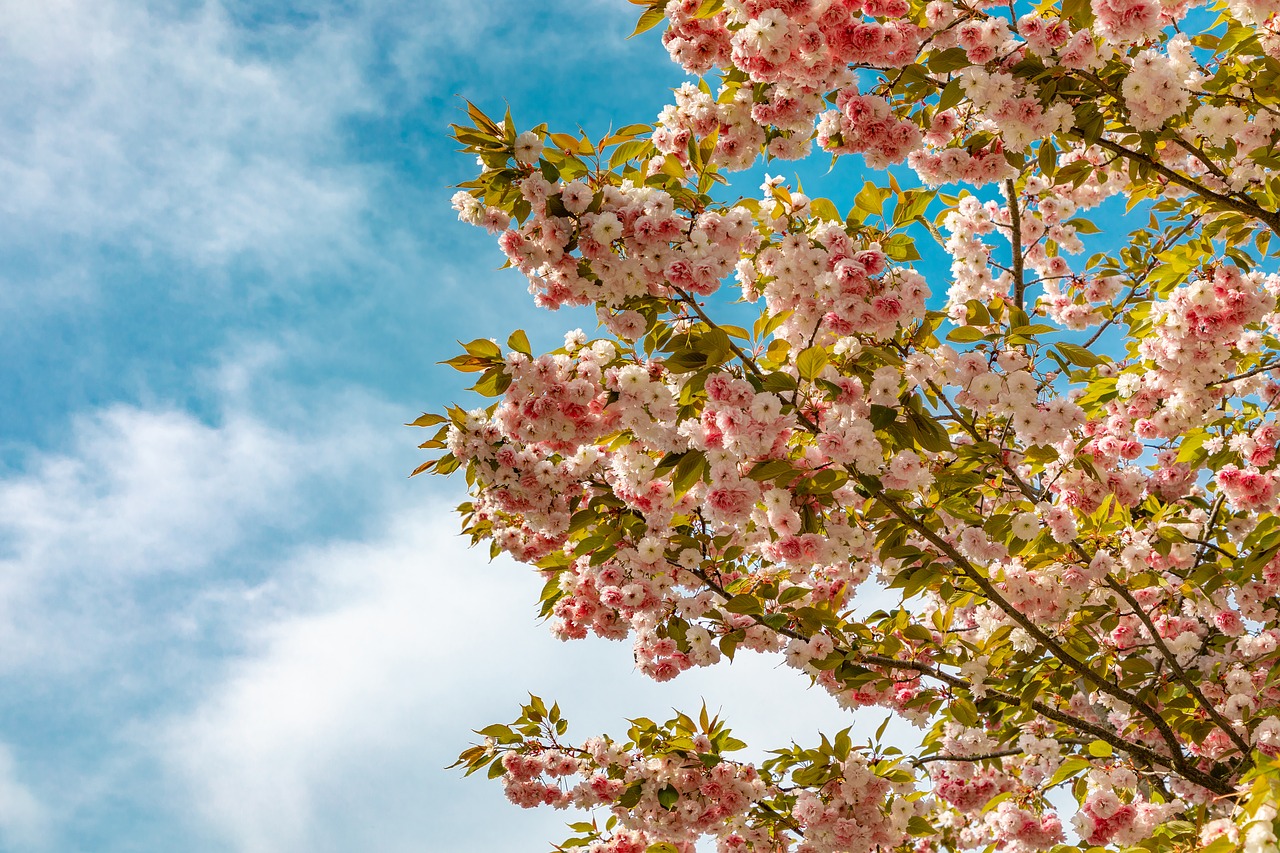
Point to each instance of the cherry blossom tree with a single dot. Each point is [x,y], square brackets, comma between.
[1057,467]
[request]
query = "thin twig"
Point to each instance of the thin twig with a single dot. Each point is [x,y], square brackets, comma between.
[1263,369]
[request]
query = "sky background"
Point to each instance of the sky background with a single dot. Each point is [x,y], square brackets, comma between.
[228,269]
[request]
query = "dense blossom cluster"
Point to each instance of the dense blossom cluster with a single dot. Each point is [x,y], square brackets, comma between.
[629,241]
[828,286]
[794,52]
[850,813]
[1038,517]
[1203,329]
[678,798]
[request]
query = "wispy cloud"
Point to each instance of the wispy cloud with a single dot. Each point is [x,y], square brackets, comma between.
[156,127]
[330,731]
[337,720]
[217,130]
[138,557]
[23,818]
[142,496]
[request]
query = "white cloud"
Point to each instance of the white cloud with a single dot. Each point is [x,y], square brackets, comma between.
[211,141]
[213,130]
[132,559]
[23,818]
[148,500]
[157,126]
[140,493]
[235,558]
[336,721]
[324,731]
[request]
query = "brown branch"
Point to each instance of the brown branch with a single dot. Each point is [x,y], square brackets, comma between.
[1146,753]
[1165,242]
[1263,369]
[1080,725]
[746,360]
[986,756]
[1178,672]
[1249,208]
[1166,653]
[1178,759]
[1015,224]
[1208,526]
[1195,151]
[989,590]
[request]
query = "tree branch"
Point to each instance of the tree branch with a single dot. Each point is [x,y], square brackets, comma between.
[1015,224]
[1080,725]
[1099,683]
[1249,208]
[1263,369]
[1178,672]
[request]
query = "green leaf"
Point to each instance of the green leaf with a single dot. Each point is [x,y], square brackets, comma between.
[767,323]
[1100,749]
[900,247]
[1235,36]
[951,95]
[824,209]
[869,200]
[743,603]
[482,348]
[996,800]
[493,383]
[1067,769]
[964,712]
[912,205]
[715,345]
[826,481]
[633,149]
[811,362]
[519,342]
[929,434]
[772,469]
[709,9]
[687,472]
[633,130]
[976,314]
[1078,355]
[964,335]
[469,363]
[668,797]
[779,381]
[792,593]
[686,361]
[429,420]
[1047,157]
[882,416]
[630,797]
[952,59]
[482,121]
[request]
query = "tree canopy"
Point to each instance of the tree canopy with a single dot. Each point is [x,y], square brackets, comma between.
[1031,508]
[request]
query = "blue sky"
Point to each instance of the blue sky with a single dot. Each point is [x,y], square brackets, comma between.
[228,268]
